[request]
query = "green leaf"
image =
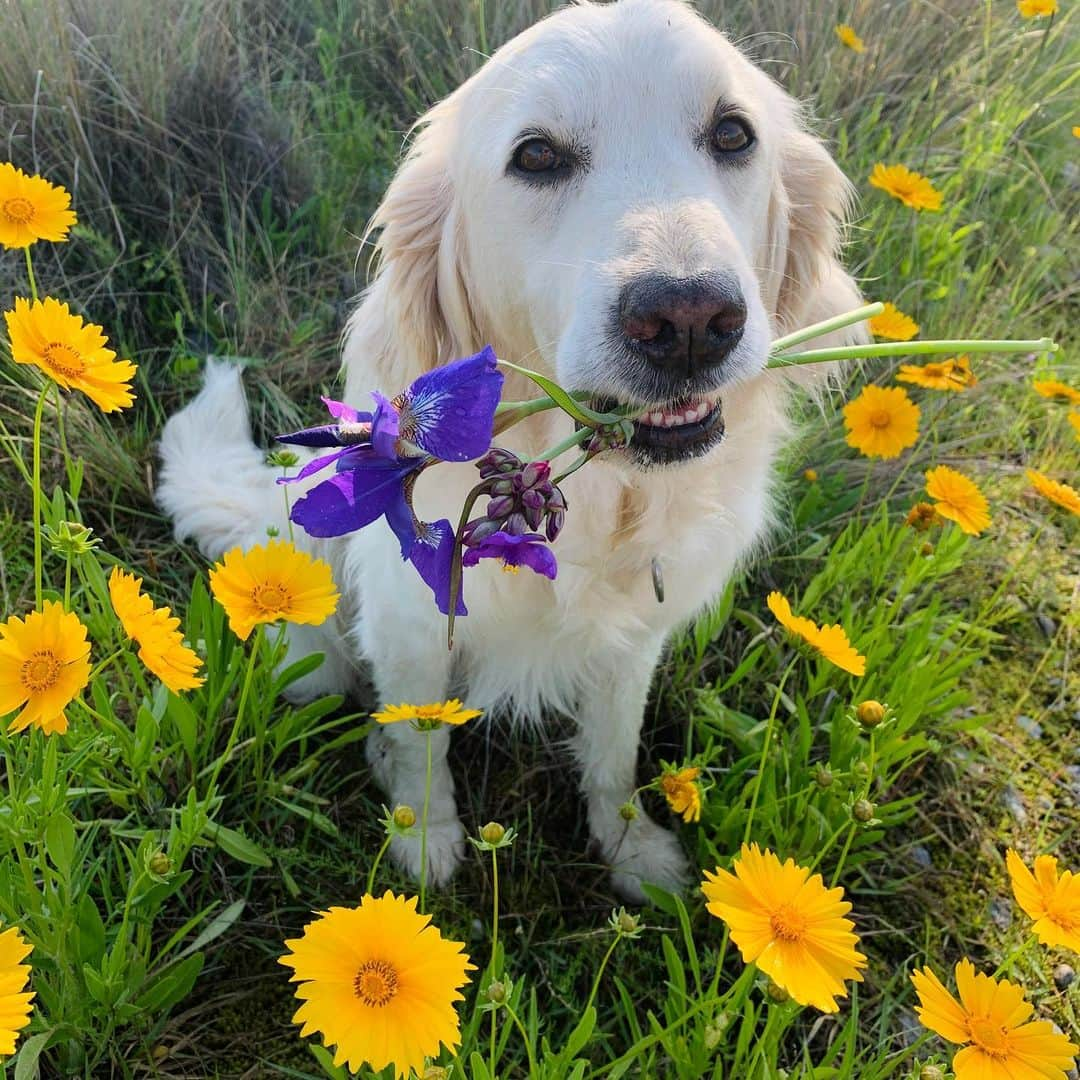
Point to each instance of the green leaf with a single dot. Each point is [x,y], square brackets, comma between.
[89,931]
[237,845]
[215,928]
[26,1064]
[582,413]
[172,986]
[60,842]
[326,1061]
[186,722]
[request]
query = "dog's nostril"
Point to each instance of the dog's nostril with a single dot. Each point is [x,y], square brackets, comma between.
[644,328]
[730,318]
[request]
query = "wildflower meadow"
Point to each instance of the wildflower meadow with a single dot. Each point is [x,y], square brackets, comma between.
[869,746]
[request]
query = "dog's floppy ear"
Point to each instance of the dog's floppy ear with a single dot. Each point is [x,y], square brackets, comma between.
[809,205]
[415,314]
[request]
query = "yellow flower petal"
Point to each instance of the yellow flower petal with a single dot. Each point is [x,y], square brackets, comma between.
[953,374]
[1050,898]
[31,209]
[44,664]
[958,499]
[72,353]
[682,792]
[1053,389]
[831,642]
[446,712]
[1061,494]
[789,924]
[1031,9]
[272,582]
[882,421]
[848,37]
[380,983]
[911,188]
[15,1002]
[894,324]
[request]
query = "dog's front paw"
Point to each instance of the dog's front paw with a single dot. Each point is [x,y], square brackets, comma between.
[648,853]
[445,848]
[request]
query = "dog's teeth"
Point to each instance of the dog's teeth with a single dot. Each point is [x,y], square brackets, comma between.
[656,418]
[670,420]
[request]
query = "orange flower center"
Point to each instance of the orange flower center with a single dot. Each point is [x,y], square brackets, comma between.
[990,1037]
[63,359]
[18,210]
[1066,918]
[508,569]
[787,924]
[881,419]
[40,671]
[376,983]
[936,371]
[270,599]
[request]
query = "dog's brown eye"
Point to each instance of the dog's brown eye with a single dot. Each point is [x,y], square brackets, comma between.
[731,135]
[536,156]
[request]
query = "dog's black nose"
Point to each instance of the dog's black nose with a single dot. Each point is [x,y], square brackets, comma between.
[682,325]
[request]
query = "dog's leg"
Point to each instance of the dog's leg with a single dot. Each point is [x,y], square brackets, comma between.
[410,663]
[610,716]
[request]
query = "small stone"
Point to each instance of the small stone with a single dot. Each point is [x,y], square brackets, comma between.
[1001,912]
[1063,976]
[1015,805]
[1030,725]
[1046,625]
[921,857]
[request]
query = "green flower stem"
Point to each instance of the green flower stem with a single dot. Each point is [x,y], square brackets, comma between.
[911,348]
[234,734]
[827,326]
[765,749]
[600,973]
[30,273]
[424,824]
[552,452]
[533,1072]
[843,855]
[494,949]
[375,865]
[100,667]
[37,493]
[1006,965]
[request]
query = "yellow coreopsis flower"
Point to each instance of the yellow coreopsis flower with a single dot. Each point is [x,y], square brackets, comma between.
[830,642]
[427,717]
[1061,494]
[911,188]
[1051,388]
[882,421]
[15,1003]
[892,323]
[682,791]
[1032,9]
[789,924]
[72,353]
[952,374]
[270,582]
[161,645]
[32,209]
[1050,898]
[958,499]
[44,663]
[848,37]
[990,1022]
[379,983]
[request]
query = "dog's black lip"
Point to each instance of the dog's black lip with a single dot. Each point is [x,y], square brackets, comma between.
[667,445]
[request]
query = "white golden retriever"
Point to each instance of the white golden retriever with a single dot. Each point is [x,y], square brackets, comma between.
[622,199]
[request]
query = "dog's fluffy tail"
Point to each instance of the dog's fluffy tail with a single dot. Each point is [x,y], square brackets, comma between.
[214,482]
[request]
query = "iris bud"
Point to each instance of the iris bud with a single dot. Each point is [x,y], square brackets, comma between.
[536,472]
[500,507]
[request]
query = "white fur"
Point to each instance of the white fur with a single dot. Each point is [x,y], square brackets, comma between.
[468,256]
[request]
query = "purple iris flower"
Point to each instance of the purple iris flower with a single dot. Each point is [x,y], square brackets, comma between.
[528,549]
[445,414]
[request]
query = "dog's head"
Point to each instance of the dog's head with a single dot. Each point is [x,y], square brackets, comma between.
[619,197]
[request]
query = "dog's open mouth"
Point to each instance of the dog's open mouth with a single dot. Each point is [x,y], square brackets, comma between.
[675,432]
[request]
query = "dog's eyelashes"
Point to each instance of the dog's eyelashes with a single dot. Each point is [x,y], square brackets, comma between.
[731,135]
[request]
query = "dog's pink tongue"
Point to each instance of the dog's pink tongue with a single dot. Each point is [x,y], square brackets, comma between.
[688,414]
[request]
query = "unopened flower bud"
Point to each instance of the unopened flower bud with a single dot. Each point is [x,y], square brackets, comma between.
[533,515]
[516,525]
[931,1072]
[497,461]
[860,770]
[479,529]
[404,817]
[776,993]
[554,525]
[496,992]
[862,810]
[921,516]
[926,551]
[625,923]
[533,499]
[436,1072]
[556,500]
[628,811]
[536,472]
[159,864]
[492,832]
[810,476]
[501,506]
[283,459]
[714,1032]
[504,486]
[870,713]
[823,776]
[70,538]
[272,531]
